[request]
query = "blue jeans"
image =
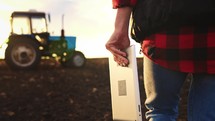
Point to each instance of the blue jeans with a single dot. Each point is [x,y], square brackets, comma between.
[163,86]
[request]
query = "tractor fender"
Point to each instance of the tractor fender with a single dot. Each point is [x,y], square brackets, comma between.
[14,38]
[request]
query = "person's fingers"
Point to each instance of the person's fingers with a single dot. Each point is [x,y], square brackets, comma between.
[121,60]
[120,57]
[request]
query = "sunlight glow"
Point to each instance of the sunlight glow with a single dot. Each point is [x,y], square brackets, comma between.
[4,33]
[91,21]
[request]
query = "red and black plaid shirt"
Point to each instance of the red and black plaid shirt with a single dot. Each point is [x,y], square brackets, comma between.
[185,49]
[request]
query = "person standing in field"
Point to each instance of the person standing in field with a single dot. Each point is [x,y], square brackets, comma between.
[171,52]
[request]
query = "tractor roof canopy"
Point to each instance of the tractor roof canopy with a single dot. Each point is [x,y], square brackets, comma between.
[28,13]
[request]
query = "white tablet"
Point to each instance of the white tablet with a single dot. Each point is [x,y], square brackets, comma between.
[124,86]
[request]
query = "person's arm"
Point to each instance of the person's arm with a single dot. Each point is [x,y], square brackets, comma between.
[120,39]
[122,20]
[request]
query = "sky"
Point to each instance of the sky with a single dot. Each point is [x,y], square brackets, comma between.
[91,21]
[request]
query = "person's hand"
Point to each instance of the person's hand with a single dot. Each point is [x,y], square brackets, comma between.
[119,40]
[117,43]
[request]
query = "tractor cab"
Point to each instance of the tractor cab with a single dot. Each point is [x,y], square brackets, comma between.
[30,25]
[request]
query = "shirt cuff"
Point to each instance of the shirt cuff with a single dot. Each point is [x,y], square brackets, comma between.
[123,3]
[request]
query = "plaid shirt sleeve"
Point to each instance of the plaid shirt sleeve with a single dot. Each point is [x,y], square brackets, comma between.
[123,3]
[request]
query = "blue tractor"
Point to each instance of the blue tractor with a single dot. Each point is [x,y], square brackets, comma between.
[30,40]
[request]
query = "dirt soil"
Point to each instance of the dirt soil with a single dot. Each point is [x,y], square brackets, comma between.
[54,93]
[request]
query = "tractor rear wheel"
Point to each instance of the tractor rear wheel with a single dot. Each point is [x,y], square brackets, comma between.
[23,54]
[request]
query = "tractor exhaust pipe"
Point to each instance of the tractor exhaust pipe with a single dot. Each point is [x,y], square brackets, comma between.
[62,30]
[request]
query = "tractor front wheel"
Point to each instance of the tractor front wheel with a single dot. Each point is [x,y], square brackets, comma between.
[77,60]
